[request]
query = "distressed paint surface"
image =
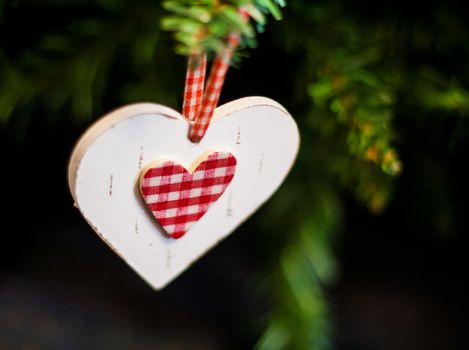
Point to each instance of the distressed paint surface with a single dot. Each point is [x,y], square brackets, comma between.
[146,132]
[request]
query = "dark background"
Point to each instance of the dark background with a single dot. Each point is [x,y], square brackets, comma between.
[403,272]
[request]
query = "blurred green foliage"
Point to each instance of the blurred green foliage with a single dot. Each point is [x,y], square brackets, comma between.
[353,76]
[203,25]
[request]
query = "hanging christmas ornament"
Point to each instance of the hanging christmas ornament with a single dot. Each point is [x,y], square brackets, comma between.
[161,188]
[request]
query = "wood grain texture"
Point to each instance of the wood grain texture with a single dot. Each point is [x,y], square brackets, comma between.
[105,166]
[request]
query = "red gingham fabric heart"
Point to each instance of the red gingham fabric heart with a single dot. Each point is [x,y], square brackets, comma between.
[178,198]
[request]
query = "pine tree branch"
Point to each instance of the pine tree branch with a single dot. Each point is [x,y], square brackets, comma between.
[203,25]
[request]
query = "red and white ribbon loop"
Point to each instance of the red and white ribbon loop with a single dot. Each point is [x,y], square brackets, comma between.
[194,87]
[212,93]
[201,111]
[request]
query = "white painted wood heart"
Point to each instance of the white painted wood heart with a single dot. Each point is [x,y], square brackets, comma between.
[106,164]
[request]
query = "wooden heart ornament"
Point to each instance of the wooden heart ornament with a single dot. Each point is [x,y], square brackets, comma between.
[140,183]
[179,198]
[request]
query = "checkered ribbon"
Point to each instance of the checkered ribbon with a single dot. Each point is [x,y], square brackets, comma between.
[194,87]
[211,95]
[178,198]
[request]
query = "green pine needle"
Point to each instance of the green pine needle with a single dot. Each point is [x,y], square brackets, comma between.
[202,26]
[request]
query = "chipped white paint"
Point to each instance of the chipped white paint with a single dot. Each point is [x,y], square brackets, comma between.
[118,145]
